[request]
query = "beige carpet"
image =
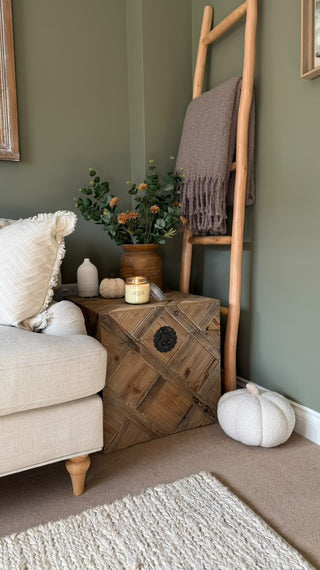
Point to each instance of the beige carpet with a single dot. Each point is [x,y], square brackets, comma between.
[192,524]
[282,484]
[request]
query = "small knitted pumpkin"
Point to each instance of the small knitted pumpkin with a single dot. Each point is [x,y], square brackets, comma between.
[112,288]
[266,419]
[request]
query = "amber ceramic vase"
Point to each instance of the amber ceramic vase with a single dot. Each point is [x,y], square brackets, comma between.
[141,259]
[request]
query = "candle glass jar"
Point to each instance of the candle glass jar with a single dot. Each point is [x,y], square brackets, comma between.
[137,290]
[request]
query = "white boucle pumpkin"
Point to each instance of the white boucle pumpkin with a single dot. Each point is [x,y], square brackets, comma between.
[266,419]
[112,288]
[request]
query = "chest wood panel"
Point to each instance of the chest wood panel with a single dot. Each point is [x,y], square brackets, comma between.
[163,365]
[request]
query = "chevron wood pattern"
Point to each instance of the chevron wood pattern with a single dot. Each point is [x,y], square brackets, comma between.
[163,365]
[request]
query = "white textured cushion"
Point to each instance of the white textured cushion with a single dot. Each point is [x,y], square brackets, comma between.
[64,319]
[37,437]
[38,370]
[31,252]
[256,418]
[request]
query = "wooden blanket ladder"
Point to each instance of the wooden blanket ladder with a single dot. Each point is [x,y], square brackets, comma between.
[207,36]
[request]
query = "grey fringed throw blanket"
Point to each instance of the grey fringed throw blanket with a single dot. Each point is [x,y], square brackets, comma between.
[207,149]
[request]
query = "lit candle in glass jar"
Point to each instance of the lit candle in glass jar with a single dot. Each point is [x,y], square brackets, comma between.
[137,290]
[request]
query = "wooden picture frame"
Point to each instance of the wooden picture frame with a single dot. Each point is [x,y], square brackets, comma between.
[9,135]
[310,38]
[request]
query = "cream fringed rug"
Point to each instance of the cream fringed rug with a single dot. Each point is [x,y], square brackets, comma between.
[192,524]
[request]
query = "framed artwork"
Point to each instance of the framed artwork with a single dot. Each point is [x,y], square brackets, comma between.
[9,137]
[310,38]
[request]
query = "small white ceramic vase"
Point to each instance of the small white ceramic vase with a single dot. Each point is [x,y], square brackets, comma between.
[88,280]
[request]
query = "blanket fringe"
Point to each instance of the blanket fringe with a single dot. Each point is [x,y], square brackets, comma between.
[204,205]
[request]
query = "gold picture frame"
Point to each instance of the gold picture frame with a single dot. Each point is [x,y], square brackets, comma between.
[310,38]
[9,135]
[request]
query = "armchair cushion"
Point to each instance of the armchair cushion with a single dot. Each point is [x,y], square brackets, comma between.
[36,437]
[38,370]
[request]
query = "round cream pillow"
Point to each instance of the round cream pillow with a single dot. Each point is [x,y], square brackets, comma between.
[64,319]
[112,288]
[266,419]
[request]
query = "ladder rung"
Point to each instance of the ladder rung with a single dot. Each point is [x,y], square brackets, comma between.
[233,166]
[226,24]
[224,311]
[211,240]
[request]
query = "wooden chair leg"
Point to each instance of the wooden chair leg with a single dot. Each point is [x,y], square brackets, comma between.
[78,467]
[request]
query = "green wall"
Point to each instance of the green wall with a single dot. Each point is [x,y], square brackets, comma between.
[102,84]
[106,83]
[72,87]
[161,32]
[279,332]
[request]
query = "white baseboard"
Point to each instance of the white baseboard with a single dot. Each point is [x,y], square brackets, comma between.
[307,420]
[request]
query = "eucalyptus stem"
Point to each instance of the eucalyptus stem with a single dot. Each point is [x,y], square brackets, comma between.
[149,227]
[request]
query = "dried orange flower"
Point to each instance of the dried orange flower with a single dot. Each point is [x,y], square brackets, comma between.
[177,204]
[122,218]
[142,187]
[113,202]
[133,215]
[183,220]
[155,209]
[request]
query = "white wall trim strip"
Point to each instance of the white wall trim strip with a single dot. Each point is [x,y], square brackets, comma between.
[307,420]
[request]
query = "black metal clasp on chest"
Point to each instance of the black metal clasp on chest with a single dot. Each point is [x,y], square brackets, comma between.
[165,339]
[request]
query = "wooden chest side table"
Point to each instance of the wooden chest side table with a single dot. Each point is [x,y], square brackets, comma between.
[163,365]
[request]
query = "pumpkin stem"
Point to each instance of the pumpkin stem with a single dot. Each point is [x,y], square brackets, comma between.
[252,388]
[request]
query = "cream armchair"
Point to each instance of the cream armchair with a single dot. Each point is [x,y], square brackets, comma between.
[49,407]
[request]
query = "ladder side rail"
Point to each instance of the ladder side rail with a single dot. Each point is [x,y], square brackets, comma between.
[240,197]
[186,258]
[202,52]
